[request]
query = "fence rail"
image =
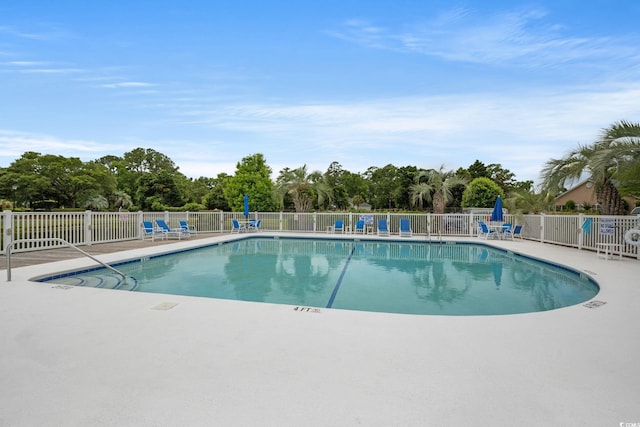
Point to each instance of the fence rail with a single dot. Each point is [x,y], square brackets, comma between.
[36,229]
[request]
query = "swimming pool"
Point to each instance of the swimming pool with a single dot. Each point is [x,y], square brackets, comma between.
[444,278]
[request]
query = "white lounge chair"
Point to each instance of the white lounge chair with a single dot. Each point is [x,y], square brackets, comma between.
[254,225]
[169,232]
[383,228]
[186,228]
[149,232]
[513,232]
[237,227]
[405,227]
[485,231]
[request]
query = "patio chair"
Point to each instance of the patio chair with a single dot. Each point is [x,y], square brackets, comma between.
[383,228]
[405,227]
[483,230]
[359,227]
[254,225]
[169,232]
[186,228]
[237,227]
[513,232]
[338,226]
[149,232]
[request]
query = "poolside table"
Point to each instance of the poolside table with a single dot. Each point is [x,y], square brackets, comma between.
[497,230]
[608,250]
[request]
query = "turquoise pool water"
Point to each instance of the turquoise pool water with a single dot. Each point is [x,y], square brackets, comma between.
[381,276]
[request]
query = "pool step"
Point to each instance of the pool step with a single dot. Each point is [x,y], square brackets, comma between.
[105,281]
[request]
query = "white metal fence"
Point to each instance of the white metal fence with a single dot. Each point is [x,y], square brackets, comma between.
[86,228]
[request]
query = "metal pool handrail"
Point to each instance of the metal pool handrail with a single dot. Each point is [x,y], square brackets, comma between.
[56,239]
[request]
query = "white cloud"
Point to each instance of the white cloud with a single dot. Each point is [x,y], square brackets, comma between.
[26,63]
[43,32]
[13,144]
[127,84]
[520,131]
[522,37]
[51,71]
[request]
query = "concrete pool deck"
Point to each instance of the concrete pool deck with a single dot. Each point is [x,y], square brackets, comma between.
[94,357]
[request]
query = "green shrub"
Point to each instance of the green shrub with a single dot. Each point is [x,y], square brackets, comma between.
[193,207]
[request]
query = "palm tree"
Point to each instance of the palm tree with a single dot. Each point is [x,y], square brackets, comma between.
[357,201]
[96,202]
[434,185]
[303,188]
[623,151]
[528,202]
[618,145]
[121,200]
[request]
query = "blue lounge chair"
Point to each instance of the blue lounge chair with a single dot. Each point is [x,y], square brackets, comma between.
[237,227]
[483,230]
[359,227]
[338,226]
[405,227]
[169,232]
[186,228]
[149,231]
[383,228]
[513,232]
[254,225]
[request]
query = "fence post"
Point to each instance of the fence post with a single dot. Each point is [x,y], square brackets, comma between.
[637,226]
[88,226]
[580,231]
[542,221]
[140,219]
[315,219]
[222,221]
[7,231]
[281,219]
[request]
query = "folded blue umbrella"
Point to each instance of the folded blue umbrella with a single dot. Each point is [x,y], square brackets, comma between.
[496,214]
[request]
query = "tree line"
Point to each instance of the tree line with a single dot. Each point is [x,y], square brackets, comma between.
[145,179]
[149,180]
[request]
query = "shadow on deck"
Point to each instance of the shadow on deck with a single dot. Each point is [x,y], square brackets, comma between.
[24,259]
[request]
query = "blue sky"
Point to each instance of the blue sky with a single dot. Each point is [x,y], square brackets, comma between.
[365,83]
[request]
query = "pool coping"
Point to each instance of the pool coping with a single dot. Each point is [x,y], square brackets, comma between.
[86,356]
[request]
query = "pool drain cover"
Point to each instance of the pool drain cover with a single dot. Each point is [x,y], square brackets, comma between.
[164,306]
[594,304]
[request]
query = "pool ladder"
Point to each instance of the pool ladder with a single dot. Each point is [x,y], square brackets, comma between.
[56,239]
[428,236]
